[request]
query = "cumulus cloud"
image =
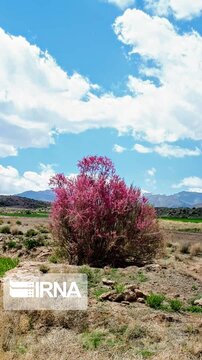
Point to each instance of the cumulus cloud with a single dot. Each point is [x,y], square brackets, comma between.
[181,9]
[39,99]
[171,94]
[192,183]
[167,150]
[118,148]
[122,4]
[12,182]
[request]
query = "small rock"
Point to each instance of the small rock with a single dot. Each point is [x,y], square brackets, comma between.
[108,282]
[118,298]
[130,296]
[124,302]
[106,296]
[140,294]
[140,300]
[152,267]
[198,302]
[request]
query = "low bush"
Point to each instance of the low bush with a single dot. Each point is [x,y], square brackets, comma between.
[176,304]
[98,220]
[31,232]
[5,229]
[155,301]
[44,268]
[33,243]
[12,244]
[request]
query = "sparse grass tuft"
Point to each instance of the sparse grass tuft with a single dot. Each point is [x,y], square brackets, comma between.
[155,300]
[7,264]
[53,259]
[119,288]
[141,277]
[31,233]
[92,340]
[33,243]
[5,229]
[44,268]
[194,309]
[185,248]
[175,304]
[136,332]
[146,353]
[12,244]
[94,275]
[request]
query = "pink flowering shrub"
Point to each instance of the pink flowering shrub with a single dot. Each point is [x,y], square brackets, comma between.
[98,220]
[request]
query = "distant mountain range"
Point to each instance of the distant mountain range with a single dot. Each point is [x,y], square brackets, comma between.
[181,199]
[46,195]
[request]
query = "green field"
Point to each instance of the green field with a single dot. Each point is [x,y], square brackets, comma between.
[196,221]
[7,264]
[21,214]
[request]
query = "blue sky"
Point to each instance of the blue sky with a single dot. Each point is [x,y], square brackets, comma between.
[120,78]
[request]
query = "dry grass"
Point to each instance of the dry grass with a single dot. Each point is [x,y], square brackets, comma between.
[196,249]
[110,330]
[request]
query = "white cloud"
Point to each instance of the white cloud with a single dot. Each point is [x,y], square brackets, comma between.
[172,109]
[37,98]
[7,150]
[176,151]
[12,182]
[182,9]
[142,149]
[122,4]
[192,183]
[119,149]
[167,150]
[151,172]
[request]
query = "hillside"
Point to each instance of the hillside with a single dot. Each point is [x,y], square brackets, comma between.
[21,202]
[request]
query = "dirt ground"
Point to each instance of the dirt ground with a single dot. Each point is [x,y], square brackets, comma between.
[109,329]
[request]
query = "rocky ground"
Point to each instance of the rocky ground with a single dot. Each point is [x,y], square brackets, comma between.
[134,313]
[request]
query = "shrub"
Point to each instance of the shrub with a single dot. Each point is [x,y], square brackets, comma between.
[155,300]
[31,232]
[18,222]
[33,243]
[53,259]
[100,221]
[12,244]
[176,305]
[5,229]
[185,248]
[44,268]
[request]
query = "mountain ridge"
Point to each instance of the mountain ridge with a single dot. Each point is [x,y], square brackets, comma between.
[182,199]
